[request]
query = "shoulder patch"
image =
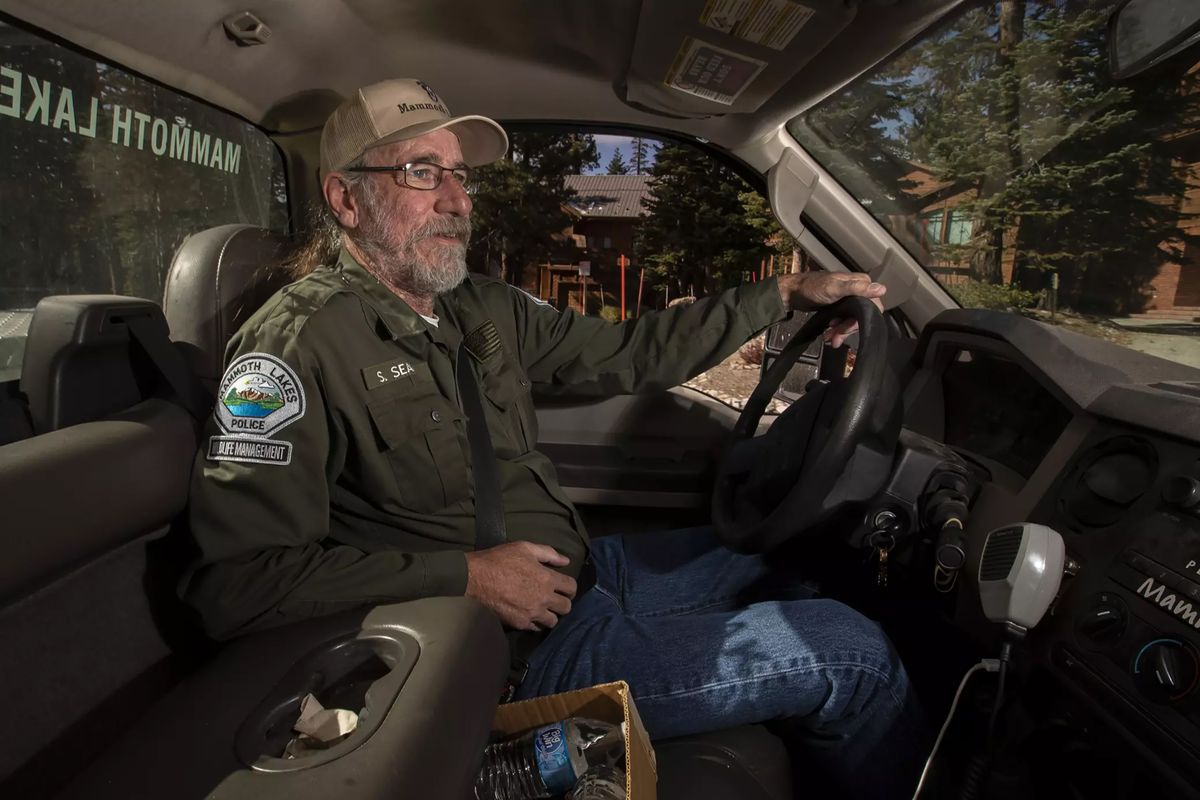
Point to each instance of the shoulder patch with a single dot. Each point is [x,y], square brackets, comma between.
[539,301]
[259,395]
[250,449]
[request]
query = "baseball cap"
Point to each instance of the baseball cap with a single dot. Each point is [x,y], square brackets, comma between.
[399,109]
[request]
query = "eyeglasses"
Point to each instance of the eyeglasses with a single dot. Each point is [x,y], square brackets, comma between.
[422,175]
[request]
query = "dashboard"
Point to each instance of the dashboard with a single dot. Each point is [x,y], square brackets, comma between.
[1103,445]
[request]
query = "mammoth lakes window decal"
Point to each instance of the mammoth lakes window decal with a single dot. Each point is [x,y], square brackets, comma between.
[258,396]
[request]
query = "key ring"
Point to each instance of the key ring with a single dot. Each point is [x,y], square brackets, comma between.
[881,541]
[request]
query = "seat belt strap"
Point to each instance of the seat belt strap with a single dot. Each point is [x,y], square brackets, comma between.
[485,472]
[171,365]
[489,509]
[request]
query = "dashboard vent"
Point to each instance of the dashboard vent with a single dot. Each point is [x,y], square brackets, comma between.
[1107,480]
[1179,387]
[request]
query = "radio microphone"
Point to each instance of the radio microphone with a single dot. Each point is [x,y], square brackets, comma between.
[1020,572]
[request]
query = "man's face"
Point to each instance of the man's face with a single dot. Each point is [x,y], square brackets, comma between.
[416,238]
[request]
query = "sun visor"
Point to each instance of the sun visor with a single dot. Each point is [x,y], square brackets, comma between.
[703,59]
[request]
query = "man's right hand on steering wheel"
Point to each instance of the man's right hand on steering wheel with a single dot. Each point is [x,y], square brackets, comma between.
[808,291]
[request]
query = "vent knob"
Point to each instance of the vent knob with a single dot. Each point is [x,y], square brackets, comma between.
[1182,491]
[1103,623]
[1165,670]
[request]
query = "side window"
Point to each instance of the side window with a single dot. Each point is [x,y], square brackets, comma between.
[104,174]
[621,225]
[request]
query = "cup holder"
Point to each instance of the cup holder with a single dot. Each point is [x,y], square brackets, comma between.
[362,673]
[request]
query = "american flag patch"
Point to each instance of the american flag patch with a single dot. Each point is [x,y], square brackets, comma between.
[483,342]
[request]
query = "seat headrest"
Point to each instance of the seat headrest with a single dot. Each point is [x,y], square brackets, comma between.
[218,278]
[81,362]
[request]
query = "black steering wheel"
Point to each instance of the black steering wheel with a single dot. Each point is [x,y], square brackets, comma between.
[831,448]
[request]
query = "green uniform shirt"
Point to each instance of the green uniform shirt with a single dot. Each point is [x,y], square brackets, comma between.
[335,471]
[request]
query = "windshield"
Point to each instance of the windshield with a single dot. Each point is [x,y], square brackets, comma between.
[999,150]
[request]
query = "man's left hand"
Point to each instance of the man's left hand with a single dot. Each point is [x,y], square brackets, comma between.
[808,291]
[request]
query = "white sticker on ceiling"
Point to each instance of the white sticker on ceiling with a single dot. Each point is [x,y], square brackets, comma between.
[712,72]
[772,23]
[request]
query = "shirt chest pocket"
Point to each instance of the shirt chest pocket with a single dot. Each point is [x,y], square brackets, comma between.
[422,436]
[507,390]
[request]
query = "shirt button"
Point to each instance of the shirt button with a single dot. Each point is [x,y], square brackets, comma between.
[436,416]
[524,383]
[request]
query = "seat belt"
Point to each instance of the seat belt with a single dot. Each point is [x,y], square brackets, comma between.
[489,509]
[489,506]
[171,366]
[489,512]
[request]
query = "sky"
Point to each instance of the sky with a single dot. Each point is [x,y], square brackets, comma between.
[606,144]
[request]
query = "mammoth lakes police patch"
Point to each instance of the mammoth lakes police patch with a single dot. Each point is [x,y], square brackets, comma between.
[258,395]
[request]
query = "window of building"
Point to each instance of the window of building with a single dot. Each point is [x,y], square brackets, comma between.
[960,228]
[931,224]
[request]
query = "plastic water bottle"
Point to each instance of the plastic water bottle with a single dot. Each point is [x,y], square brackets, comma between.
[600,783]
[548,761]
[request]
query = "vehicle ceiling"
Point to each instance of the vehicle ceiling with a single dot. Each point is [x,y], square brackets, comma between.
[565,60]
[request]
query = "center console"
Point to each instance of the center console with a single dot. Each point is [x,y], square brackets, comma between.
[1127,628]
[423,676]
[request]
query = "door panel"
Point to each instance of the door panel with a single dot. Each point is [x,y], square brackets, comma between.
[651,450]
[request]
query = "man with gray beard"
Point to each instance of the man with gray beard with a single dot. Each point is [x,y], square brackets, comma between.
[336,471]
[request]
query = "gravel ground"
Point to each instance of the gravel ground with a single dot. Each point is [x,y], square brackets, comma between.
[732,381]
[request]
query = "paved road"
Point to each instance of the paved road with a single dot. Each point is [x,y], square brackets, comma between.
[1177,341]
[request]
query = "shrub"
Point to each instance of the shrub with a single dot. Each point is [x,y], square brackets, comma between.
[1001,297]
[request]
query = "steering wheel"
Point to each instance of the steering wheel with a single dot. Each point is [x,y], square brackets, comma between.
[831,448]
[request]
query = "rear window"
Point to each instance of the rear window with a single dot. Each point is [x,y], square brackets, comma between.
[102,176]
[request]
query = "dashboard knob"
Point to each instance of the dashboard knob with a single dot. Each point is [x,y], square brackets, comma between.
[1103,623]
[1182,491]
[1165,670]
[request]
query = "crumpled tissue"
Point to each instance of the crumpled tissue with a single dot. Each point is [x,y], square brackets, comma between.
[319,727]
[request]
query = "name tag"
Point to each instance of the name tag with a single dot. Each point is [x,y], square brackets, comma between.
[389,372]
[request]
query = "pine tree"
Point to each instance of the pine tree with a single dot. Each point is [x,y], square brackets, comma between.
[617,165]
[518,206]
[642,155]
[768,231]
[696,234]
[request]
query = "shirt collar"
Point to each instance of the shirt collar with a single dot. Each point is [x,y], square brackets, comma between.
[396,314]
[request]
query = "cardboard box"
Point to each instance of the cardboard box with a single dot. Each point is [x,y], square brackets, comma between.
[609,702]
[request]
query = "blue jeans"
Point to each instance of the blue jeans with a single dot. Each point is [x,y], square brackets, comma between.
[710,639]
